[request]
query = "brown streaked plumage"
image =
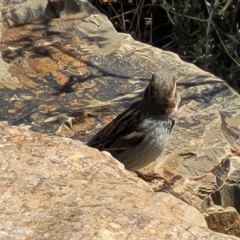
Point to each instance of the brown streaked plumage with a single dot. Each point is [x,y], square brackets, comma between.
[137,136]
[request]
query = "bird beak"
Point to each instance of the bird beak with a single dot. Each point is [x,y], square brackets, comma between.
[173,88]
[153,78]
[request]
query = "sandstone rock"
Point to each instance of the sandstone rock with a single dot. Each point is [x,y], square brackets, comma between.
[74,73]
[57,188]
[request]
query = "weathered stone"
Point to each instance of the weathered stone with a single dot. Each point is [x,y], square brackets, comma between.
[223,219]
[57,188]
[72,74]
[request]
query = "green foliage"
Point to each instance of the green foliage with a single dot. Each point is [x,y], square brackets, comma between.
[207,33]
[204,32]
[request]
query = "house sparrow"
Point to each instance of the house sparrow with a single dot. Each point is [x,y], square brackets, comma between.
[138,136]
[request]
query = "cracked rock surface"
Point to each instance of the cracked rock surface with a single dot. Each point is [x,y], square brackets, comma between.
[66,71]
[57,188]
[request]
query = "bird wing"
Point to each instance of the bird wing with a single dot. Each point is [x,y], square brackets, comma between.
[122,133]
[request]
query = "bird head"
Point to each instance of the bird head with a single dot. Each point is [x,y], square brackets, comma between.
[161,94]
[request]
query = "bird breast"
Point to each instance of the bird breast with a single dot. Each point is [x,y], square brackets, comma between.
[157,135]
